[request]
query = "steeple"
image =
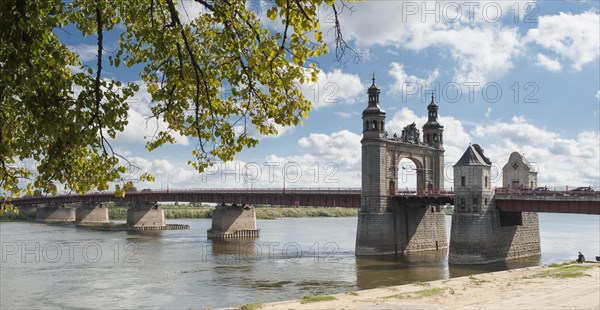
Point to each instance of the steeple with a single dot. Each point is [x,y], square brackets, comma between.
[373,116]
[373,94]
[433,130]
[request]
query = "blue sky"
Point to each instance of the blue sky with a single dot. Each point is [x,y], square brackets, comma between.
[509,75]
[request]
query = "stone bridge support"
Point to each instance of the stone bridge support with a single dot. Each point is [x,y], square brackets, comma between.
[146,215]
[386,226]
[233,222]
[55,214]
[481,233]
[493,237]
[91,214]
[402,229]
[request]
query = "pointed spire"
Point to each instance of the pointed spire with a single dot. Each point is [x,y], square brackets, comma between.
[373,93]
[373,86]
[432,99]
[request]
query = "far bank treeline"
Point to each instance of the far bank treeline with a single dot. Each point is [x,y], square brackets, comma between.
[193,211]
[197,211]
[200,211]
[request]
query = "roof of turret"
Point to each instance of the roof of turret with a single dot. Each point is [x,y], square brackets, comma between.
[473,156]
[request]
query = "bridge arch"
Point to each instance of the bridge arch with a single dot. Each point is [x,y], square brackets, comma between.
[409,174]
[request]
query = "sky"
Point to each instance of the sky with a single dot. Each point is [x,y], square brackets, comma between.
[508,75]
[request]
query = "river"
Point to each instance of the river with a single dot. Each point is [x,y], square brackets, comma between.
[45,266]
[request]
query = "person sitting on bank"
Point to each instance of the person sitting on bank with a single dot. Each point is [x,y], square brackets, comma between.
[580,258]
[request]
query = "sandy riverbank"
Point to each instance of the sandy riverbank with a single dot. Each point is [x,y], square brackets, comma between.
[525,288]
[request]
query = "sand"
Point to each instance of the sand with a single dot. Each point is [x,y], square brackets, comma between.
[512,289]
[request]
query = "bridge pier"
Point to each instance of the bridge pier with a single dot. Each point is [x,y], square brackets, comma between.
[493,237]
[91,214]
[402,229]
[233,222]
[146,215]
[55,214]
[480,233]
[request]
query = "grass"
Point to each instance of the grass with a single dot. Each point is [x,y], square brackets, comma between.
[476,280]
[251,307]
[191,212]
[261,213]
[275,213]
[17,216]
[352,293]
[431,292]
[318,298]
[554,265]
[564,271]
[420,283]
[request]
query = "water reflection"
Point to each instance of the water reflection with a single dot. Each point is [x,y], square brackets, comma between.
[244,250]
[376,271]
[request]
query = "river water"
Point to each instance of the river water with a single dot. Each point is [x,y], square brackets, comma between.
[44,266]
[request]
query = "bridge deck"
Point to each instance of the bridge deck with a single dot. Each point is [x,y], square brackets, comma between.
[548,201]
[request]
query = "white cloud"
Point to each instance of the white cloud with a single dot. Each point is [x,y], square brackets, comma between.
[340,146]
[560,161]
[483,49]
[404,81]
[519,131]
[598,95]
[140,128]
[86,52]
[574,37]
[549,63]
[335,87]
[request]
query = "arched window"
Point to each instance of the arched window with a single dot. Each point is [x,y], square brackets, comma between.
[375,125]
[382,126]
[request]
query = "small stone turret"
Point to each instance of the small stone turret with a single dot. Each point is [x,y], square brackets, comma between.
[433,131]
[482,234]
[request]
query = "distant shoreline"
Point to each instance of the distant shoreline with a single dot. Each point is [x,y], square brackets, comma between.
[185,212]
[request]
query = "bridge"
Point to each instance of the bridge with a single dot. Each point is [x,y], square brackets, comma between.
[488,225]
[530,200]
[318,197]
[509,200]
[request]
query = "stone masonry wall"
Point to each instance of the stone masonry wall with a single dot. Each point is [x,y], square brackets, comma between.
[50,214]
[146,215]
[229,219]
[92,214]
[480,239]
[422,229]
[375,234]
[416,229]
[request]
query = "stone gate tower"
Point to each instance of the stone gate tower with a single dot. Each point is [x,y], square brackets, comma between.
[480,233]
[386,223]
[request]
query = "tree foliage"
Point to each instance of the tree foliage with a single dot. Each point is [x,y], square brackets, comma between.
[185,65]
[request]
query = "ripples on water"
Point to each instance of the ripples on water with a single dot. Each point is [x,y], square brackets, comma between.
[64,267]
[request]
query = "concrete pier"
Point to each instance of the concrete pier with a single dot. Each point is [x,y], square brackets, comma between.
[55,214]
[233,222]
[148,214]
[91,214]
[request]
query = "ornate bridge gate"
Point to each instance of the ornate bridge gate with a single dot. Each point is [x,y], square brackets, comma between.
[386,226]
